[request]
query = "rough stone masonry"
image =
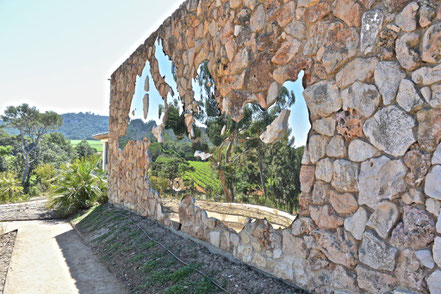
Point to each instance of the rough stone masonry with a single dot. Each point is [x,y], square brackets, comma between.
[369,220]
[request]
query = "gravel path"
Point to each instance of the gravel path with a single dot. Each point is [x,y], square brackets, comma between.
[49,257]
[32,210]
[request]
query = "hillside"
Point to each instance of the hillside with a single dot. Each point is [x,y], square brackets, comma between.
[83,125]
[78,126]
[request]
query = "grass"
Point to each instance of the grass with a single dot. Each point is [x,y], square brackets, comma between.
[124,243]
[93,143]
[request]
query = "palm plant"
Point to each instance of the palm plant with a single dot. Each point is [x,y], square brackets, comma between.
[10,187]
[79,186]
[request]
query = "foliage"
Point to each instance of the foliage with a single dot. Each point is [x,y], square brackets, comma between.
[80,185]
[83,149]
[45,173]
[32,125]
[170,167]
[97,144]
[10,188]
[160,184]
[203,176]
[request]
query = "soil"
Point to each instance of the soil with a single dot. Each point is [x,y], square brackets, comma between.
[145,267]
[6,247]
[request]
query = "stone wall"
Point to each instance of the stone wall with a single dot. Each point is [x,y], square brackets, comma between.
[371,177]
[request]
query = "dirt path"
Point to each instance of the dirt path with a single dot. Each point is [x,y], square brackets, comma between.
[49,257]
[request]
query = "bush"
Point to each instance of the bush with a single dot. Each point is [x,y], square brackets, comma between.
[79,186]
[45,174]
[10,188]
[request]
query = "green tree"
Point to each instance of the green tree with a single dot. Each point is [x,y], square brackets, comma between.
[32,125]
[84,150]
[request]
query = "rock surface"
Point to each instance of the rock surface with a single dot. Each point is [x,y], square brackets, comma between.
[390,130]
[376,253]
[356,223]
[323,98]
[359,151]
[383,218]
[380,178]
[388,76]
[384,283]
[362,97]
[343,203]
[345,178]
[433,187]
[416,231]
[431,44]
[434,282]
[407,96]
[277,129]
[372,21]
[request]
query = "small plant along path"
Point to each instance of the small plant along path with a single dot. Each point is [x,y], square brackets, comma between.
[119,238]
[50,257]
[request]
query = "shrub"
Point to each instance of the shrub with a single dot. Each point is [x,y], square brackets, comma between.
[79,186]
[10,188]
[45,174]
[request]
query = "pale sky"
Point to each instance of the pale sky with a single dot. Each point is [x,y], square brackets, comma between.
[58,54]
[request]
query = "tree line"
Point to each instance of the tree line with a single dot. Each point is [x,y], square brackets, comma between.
[31,159]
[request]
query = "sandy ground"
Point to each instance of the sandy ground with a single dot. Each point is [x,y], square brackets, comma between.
[49,257]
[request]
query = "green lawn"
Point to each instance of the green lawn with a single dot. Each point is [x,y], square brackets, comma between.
[93,143]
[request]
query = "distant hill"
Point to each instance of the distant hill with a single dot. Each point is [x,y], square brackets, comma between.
[77,126]
[83,125]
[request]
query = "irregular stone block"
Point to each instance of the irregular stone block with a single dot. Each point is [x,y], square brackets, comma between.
[324,126]
[348,11]
[437,251]
[406,49]
[325,217]
[418,163]
[317,148]
[336,147]
[362,97]
[343,203]
[406,20]
[436,158]
[390,130]
[407,96]
[356,223]
[340,247]
[306,178]
[359,69]
[429,128]
[380,178]
[383,218]
[302,225]
[376,253]
[425,257]
[388,76]
[345,177]
[293,246]
[434,282]
[432,186]
[373,281]
[323,98]
[371,23]
[408,271]
[324,170]
[427,75]
[359,151]
[432,44]
[415,231]
[277,129]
